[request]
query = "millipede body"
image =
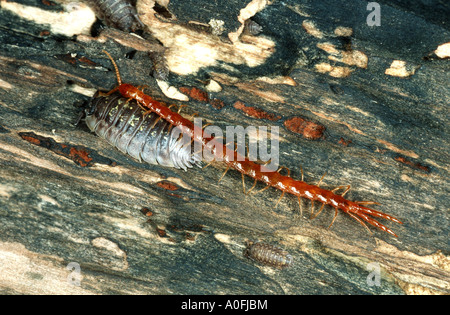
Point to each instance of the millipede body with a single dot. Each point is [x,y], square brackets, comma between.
[268,254]
[139,133]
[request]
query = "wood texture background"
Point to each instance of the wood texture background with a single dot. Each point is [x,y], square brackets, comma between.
[67,196]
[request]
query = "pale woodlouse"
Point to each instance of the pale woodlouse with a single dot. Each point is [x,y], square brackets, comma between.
[139,133]
[267,254]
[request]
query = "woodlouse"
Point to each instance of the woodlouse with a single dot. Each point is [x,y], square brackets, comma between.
[268,254]
[139,133]
[259,172]
[120,14]
[252,28]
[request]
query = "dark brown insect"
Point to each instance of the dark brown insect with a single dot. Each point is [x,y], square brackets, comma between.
[268,254]
[139,133]
[120,14]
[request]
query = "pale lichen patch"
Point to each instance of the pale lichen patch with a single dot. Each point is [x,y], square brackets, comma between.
[443,51]
[312,29]
[400,69]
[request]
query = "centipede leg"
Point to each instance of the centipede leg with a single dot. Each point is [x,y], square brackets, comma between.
[156,121]
[334,218]
[377,224]
[320,181]
[209,165]
[193,115]
[300,205]
[360,221]
[254,184]
[208,124]
[312,210]
[365,203]
[320,210]
[261,190]
[282,194]
[142,87]
[180,107]
[284,167]
[243,183]
[108,93]
[347,188]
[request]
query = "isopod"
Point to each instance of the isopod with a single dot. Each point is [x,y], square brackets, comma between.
[252,28]
[259,172]
[138,133]
[120,14]
[268,254]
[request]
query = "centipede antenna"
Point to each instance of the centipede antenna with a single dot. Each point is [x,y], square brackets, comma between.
[301,171]
[119,80]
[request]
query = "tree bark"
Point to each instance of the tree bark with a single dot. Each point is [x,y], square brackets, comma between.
[367,105]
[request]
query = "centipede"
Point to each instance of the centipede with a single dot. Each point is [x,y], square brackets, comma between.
[358,210]
[120,14]
[267,254]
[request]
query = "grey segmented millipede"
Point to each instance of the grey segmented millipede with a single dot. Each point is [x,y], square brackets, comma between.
[268,254]
[138,133]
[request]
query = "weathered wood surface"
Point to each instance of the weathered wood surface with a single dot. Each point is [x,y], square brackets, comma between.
[67,196]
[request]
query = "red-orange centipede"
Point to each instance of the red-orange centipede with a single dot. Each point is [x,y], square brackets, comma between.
[260,173]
